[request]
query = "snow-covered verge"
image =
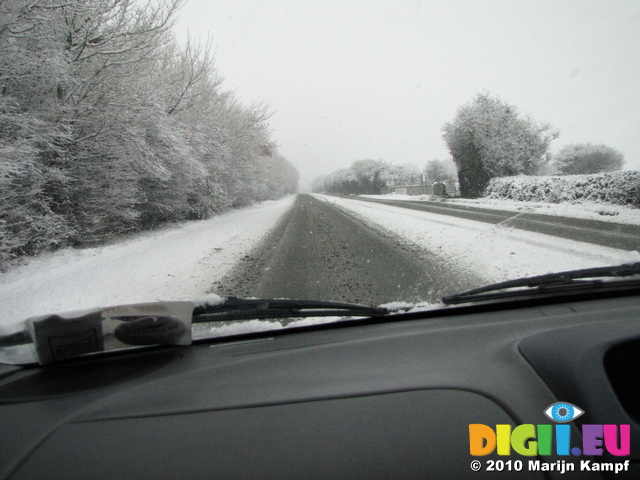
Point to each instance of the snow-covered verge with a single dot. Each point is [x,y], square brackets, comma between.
[177,263]
[618,188]
[625,214]
[491,252]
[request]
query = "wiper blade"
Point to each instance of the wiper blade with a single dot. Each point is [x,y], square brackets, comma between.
[233,308]
[560,281]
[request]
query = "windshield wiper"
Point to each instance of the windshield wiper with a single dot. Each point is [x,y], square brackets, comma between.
[552,282]
[233,308]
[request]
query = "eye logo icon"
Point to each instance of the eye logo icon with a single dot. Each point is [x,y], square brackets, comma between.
[563,412]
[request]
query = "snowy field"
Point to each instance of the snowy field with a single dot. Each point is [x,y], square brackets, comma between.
[492,252]
[175,263]
[589,211]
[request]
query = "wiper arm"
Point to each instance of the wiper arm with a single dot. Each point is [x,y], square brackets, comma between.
[544,283]
[233,308]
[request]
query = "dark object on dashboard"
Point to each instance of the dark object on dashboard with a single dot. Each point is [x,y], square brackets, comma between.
[153,330]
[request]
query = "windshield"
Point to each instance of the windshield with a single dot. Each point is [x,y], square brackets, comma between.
[372,152]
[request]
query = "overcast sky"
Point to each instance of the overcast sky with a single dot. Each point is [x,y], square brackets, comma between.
[354,79]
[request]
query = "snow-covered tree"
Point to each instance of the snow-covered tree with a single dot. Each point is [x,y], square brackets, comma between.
[108,125]
[580,158]
[406,174]
[363,177]
[366,177]
[369,175]
[489,138]
[440,170]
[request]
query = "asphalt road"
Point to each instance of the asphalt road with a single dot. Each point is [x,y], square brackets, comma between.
[609,234]
[318,251]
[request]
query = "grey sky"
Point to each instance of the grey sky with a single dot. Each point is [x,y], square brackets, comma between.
[350,79]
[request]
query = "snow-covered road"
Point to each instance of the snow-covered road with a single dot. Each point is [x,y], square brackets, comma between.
[492,252]
[184,261]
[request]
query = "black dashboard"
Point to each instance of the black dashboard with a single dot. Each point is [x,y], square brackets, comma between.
[371,399]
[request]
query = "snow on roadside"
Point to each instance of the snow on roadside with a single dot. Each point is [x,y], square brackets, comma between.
[492,252]
[585,210]
[176,263]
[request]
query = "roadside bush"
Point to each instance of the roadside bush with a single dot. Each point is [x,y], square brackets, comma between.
[619,188]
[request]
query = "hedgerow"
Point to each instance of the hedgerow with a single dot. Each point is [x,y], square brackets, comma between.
[618,188]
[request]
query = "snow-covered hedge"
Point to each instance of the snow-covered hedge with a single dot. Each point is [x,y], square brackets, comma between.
[620,188]
[110,125]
